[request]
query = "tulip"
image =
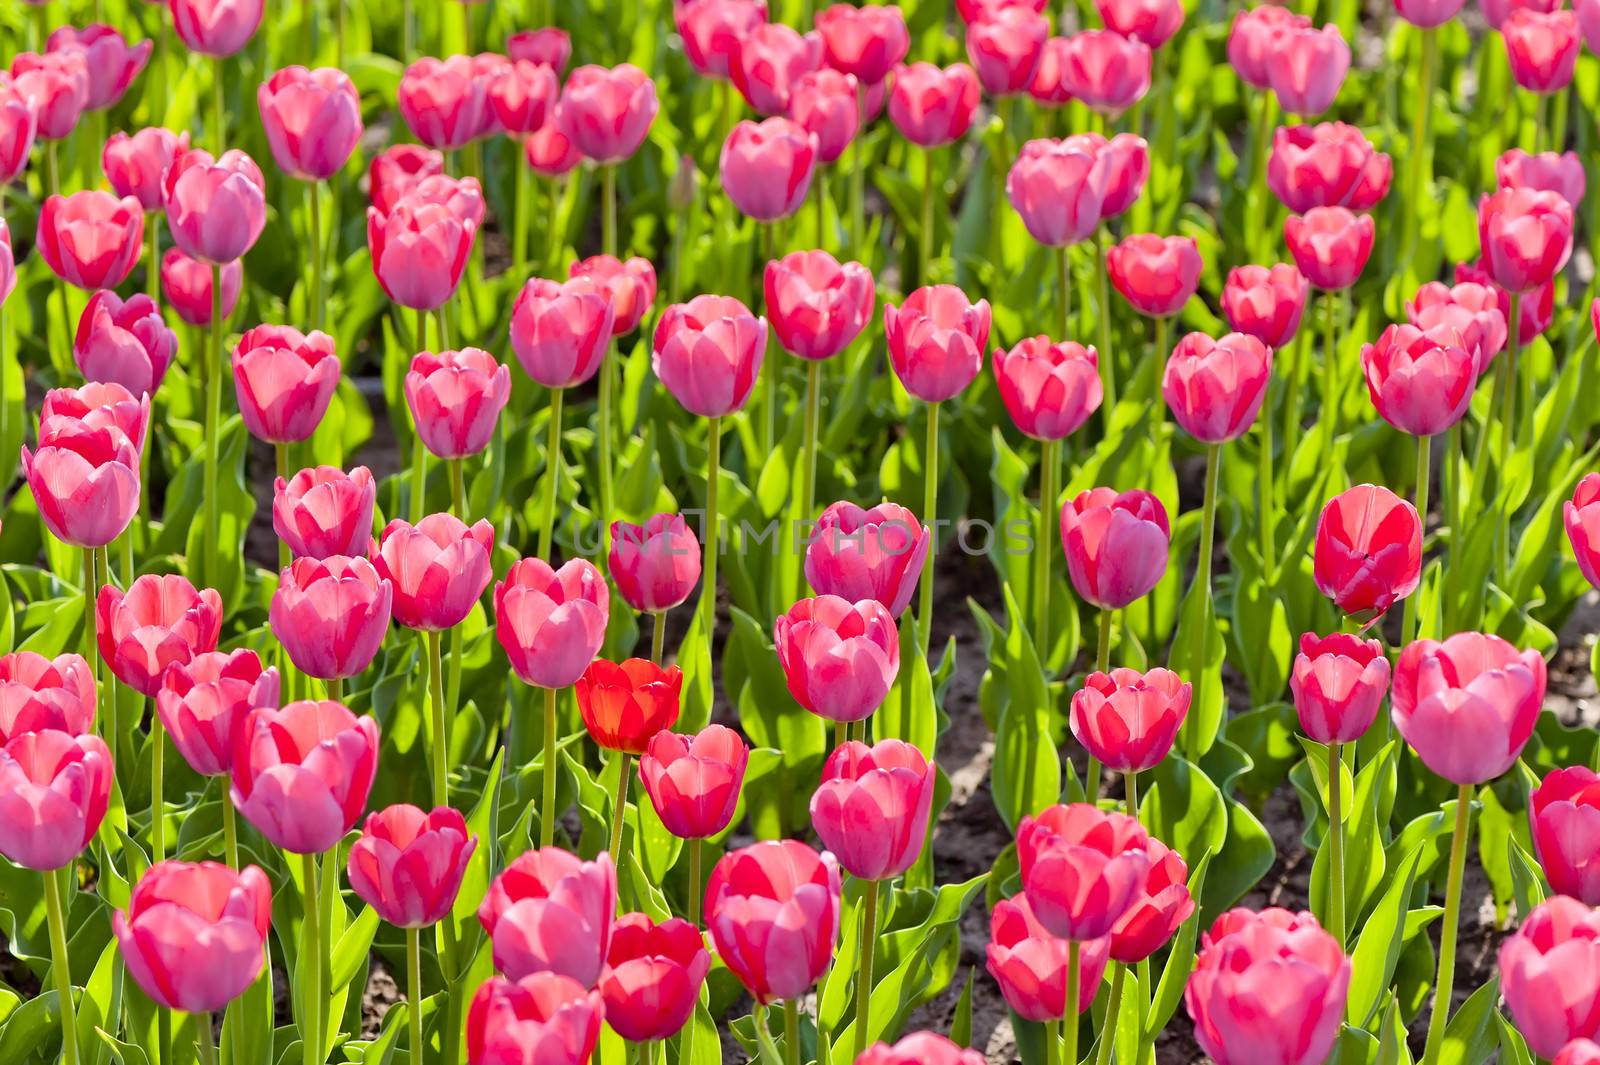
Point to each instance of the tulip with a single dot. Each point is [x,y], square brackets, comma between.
[1214,388]
[1265,302]
[712,31]
[693,784]
[1151,21]
[444,102]
[397,169]
[312,119]
[550,911]
[544,1017]
[1327,165]
[1305,67]
[1428,14]
[652,977]
[39,694]
[765,65]
[1564,812]
[216,28]
[1420,382]
[438,568]
[409,863]
[1533,313]
[285,380]
[124,343]
[322,511]
[1048,389]
[1004,48]
[1049,87]
[201,702]
[419,251]
[547,45]
[772,909]
[920,1048]
[1338,682]
[1495,12]
[455,398]
[933,107]
[216,208]
[625,704]
[839,659]
[194,936]
[1547,171]
[1581,516]
[97,403]
[1542,48]
[551,622]
[1268,987]
[1526,236]
[1128,168]
[186,285]
[85,482]
[864,42]
[655,565]
[1164,903]
[523,96]
[1156,275]
[708,354]
[1116,545]
[110,63]
[973,10]
[301,774]
[1127,720]
[1330,245]
[54,790]
[157,622]
[331,615]
[1368,552]
[936,340]
[134,164]
[871,809]
[91,239]
[549,151]
[608,112]
[629,286]
[57,84]
[560,332]
[824,103]
[19,124]
[1032,965]
[1578,1052]
[1472,310]
[1058,187]
[1107,71]
[817,306]
[1081,868]
[1588,17]
[1253,37]
[1550,975]
[875,554]
[767,166]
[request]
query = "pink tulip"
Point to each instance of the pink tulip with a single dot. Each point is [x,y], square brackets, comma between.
[419,251]
[1495,12]
[549,151]
[98,403]
[1058,187]
[1156,275]
[54,791]
[1305,67]
[1049,85]
[1253,36]
[548,45]
[693,781]
[1427,14]
[769,61]
[550,911]
[1327,165]
[1107,71]
[323,511]
[1581,515]
[444,102]
[202,701]
[708,354]
[1082,868]
[871,809]
[523,96]
[655,565]
[331,614]
[1549,171]
[933,107]
[607,113]
[1368,553]
[216,209]
[1550,975]
[301,775]
[1534,310]
[560,332]
[1164,903]
[936,340]
[1214,388]
[1338,682]
[408,863]
[125,343]
[397,169]
[1031,964]
[438,568]
[1542,48]
[38,693]
[817,306]
[91,239]
[839,659]
[1420,382]
[864,42]
[285,380]
[920,1048]
[1127,720]
[1048,389]
[111,63]
[713,30]
[1127,160]
[1116,545]
[312,119]
[134,165]
[544,1017]
[767,167]
[875,554]
[1330,245]
[455,398]
[161,620]
[216,28]
[85,482]
[1265,302]
[1005,47]
[57,84]
[1471,309]
[629,286]
[186,285]
[653,976]
[825,104]
[1151,21]
[19,125]
[772,909]
[1564,815]
[551,622]
[1578,1052]
[1526,237]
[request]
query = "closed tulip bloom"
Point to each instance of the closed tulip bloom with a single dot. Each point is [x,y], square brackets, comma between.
[19,124]
[920,1048]
[1107,71]
[1116,545]
[85,482]
[839,659]
[1581,515]
[97,403]
[54,790]
[215,209]
[194,934]
[936,340]
[608,112]
[201,702]
[38,693]
[623,705]
[772,909]
[824,104]
[712,31]
[550,911]
[1265,302]
[871,809]
[551,622]
[186,285]
[973,10]
[91,239]
[1031,964]
[1004,48]
[560,332]
[323,511]
[419,251]
[1151,21]
[816,305]
[301,775]
[1467,706]
[1049,86]
[523,96]
[1156,275]
[708,353]
[124,342]
[331,614]
[455,398]
[1327,165]
[1214,388]
[549,151]
[1578,1052]
[438,567]
[1127,159]
[1162,906]
[1058,187]
[161,620]
[444,102]
[1048,389]
[397,169]
[312,119]
[1542,48]
[135,164]
[876,554]
[57,84]
[1428,14]
[655,565]
[1306,67]
[1550,975]
[1252,36]
[1495,12]
[409,863]
[1472,310]
[653,976]
[1368,553]
[693,781]
[1588,21]
[1420,381]
[767,166]
[548,45]
[766,64]
[1330,245]
[111,63]
[932,106]
[544,1017]
[865,42]
[630,287]
[1127,720]
[1338,682]
[1534,310]
[1082,868]
[1561,173]
[1564,814]
[1526,236]
[216,28]
[1268,989]
[284,380]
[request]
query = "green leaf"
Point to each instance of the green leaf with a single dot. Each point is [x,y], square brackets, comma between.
[1180,961]
[1196,656]
[1378,950]
[1471,1036]
[1026,776]
[1183,808]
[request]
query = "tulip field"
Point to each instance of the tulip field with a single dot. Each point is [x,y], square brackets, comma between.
[671,532]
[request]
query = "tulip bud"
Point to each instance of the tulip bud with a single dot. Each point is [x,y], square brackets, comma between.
[1550,975]
[1542,48]
[312,119]
[54,791]
[547,45]
[629,286]
[1005,47]
[1561,174]
[285,380]
[202,701]
[1059,189]
[1151,21]
[57,85]
[323,511]
[876,554]
[455,398]
[1526,236]
[871,809]
[38,693]
[19,125]
[933,107]
[1564,814]
[301,774]
[1163,904]
[408,864]
[607,113]
[551,622]
[549,151]
[693,781]
[936,340]
[439,568]
[1472,310]
[1127,720]
[1252,37]
[864,42]
[96,404]
[772,909]
[766,64]
[1420,382]
[1156,275]
[1082,868]
[623,705]
[444,102]
[134,164]
[1534,310]
[216,208]
[523,96]
[1116,545]
[1327,165]
[543,1017]
[817,306]
[560,332]
[1338,682]
[1031,964]
[217,28]
[419,251]
[653,976]
[1330,245]
[331,614]
[839,659]
[1305,67]
[125,343]
[712,31]
[767,167]
[186,285]
[708,353]
[1107,71]
[1368,553]
[1049,81]
[1214,388]
[158,622]
[91,239]
[550,911]
[85,482]
[1265,302]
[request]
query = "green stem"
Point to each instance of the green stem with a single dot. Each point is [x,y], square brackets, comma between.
[658,636]
[1330,373]
[712,533]
[152,233]
[1108,362]
[60,967]
[1408,628]
[280,456]
[547,811]
[441,738]
[925,233]
[106,680]
[158,769]
[694,881]
[230,828]
[791,1032]
[458,487]
[213,387]
[770,371]
[1449,483]
[1264,474]
[163,1035]
[1113,1007]
[858,174]
[414,989]
[1064,292]
[219,113]
[419,453]
[407,33]
[1259,143]
[1052,1043]
[1508,425]
[866,949]
[1202,576]
[930,510]
[1049,463]
[607,417]
[1421,135]
[808,477]
[520,203]
[208,1048]
[619,807]
[311,1034]
[1069,1023]
[552,475]
[314,199]
[1130,788]
[1444,986]
[1335,844]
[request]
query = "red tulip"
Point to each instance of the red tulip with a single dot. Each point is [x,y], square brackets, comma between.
[419,251]
[1059,187]
[85,482]
[1107,71]
[1214,388]
[444,102]
[1368,552]
[825,104]
[1427,14]
[920,1048]
[693,781]
[817,306]
[551,622]
[216,28]
[625,704]
[1467,706]
[1550,975]
[439,568]
[1552,172]
[323,511]
[57,84]
[216,209]
[607,113]
[1265,302]
[1581,515]
[549,151]
[839,659]
[186,285]
[124,343]
[1420,382]
[865,42]
[653,976]
[1471,309]
[1268,987]
[932,107]
[54,790]
[1564,814]
[312,119]
[19,124]
[708,353]
[1004,48]
[871,809]
[1305,67]
[301,774]
[767,63]
[1127,720]
[194,934]
[713,30]
[550,911]
[408,863]
[1151,21]
[1542,48]
[1082,868]
[544,1017]
[560,332]
[767,167]
[1329,164]
[1048,389]
[284,380]
[159,621]
[397,169]
[523,96]
[38,693]
[111,63]
[202,701]
[91,239]
[331,614]
[936,340]
[1330,245]
[629,286]
[1049,85]
[875,554]
[547,45]
[1156,275]
[1526,236]
[96,404]
[1253,36]
[134,165]
[1116,545]
[1578,1052]
[1338,682]
[1534,310]
[1164,903]
[1031,964]
[772,909]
